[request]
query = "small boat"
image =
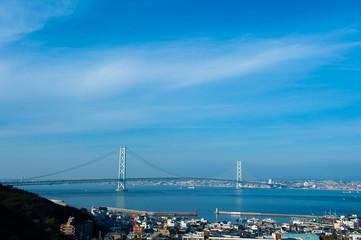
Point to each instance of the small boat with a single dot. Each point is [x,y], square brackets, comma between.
[268,220]
[253,220]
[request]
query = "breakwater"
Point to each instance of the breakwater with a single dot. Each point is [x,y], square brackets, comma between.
[263,214]
[153,214]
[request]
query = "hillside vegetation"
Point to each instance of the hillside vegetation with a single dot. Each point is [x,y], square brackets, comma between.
[25,215]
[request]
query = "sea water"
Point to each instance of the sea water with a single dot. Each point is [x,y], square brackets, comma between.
[205,199]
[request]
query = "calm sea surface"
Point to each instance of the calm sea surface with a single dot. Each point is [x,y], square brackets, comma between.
[205,199]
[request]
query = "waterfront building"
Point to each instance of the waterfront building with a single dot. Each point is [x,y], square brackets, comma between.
[68,229]
[138,229]
[77,231]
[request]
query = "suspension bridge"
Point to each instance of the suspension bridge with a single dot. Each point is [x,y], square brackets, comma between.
[122,178]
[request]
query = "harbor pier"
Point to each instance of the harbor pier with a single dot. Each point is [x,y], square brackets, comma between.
[264,214]
[153,214]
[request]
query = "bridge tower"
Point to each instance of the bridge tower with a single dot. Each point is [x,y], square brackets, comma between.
[122,170]
[239,175]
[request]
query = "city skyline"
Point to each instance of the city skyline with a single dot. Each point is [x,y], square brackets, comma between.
[189,86]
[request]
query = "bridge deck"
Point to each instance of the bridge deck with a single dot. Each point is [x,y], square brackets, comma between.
[107,180]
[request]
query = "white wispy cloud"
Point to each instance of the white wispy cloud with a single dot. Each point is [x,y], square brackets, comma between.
[180,66]
[128,86]
[19,17]
[90,74]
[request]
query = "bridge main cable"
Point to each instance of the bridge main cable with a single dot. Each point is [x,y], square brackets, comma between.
[75,167]
[151,164]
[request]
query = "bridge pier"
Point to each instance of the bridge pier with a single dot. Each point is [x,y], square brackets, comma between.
[122,170]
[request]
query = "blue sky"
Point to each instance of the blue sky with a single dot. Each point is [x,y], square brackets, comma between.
[192,86]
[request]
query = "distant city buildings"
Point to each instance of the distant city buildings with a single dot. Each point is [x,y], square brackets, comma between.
[127,226]
[270,183]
